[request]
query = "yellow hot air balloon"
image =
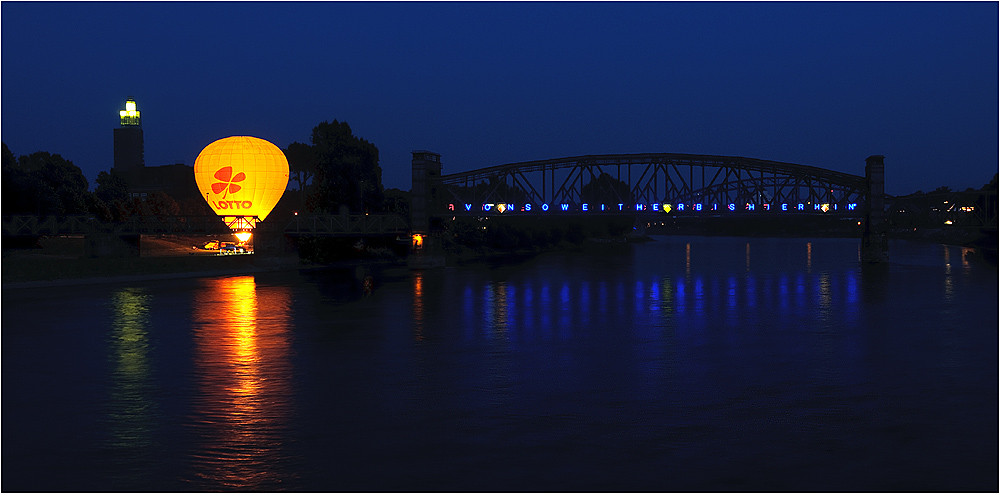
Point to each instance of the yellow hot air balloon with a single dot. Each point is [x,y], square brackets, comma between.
[242,179]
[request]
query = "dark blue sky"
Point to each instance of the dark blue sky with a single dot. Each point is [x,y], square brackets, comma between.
[823,84]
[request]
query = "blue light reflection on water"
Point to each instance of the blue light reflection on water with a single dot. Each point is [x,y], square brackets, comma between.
[682,364]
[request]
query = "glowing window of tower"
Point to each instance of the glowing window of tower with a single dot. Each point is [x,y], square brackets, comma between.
[129,116]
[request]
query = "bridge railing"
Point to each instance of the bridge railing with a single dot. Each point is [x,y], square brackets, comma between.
[23,225]
[347,225]
[301,225]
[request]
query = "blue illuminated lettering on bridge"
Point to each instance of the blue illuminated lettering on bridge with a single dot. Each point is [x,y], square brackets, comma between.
[664,207]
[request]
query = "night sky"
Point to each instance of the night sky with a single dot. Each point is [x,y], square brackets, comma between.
[822,84]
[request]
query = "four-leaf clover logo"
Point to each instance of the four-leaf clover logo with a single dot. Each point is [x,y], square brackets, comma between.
[226,181]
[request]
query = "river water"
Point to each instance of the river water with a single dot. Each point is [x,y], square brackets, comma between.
[684,364]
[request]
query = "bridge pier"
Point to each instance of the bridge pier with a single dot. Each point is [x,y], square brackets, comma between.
[111,245]
[874,244]
[270,241]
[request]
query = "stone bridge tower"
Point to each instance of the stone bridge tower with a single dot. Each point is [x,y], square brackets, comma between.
[424,222]
[424,191]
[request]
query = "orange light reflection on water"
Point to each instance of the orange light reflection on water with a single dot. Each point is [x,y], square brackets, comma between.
[418,306]
[243,374]
[809,257]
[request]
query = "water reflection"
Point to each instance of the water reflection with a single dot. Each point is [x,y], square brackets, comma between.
[131,414]
[515,310]
[498,302]
[825,299]
[966,252]
[497,310]
[666,297]
[243,403]
[809,257]
[680,297]
[418,305]
[947,259]
[699,297]
[687,259]
[748,257]
[682,311]
[949,273]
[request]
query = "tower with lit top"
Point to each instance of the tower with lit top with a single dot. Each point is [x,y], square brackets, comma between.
[128,140]
[130,116]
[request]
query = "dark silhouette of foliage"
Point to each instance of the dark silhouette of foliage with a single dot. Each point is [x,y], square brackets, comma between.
[157,204]
[397,201]
[8,157]
[606,189]
[42,183]
[303,162]
[100,209]
[194,207]
[347,171]
[111,186]
[992,183]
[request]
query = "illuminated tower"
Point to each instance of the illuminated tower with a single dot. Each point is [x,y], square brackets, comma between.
[128,140]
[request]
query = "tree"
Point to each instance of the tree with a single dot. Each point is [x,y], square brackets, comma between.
[194,206]
[347,170]
[43,183]
[111,186]
[8,157]
[397,201]
[159,203]
[15,180]
[606,189]
[302,163]
[993,183]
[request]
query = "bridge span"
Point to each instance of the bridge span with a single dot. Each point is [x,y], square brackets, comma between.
[651,183]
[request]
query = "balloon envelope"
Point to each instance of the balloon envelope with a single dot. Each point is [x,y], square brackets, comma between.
[241,176]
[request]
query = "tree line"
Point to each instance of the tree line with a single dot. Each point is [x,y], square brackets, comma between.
[335,170]
[338,170]
[46,184]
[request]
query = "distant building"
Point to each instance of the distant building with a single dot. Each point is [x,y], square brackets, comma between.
[176,180]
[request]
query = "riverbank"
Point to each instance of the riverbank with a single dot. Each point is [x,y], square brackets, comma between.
[58,265]
[35,270]
[62,261]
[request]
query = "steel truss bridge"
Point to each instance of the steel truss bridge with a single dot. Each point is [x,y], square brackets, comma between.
[635,183]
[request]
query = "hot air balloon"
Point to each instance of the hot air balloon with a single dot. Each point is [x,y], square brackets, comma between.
[242,178]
